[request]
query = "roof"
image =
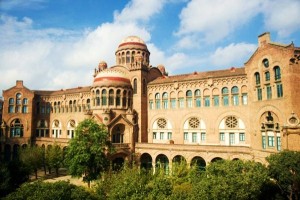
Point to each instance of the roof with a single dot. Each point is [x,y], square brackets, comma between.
[63,91]
[201,75]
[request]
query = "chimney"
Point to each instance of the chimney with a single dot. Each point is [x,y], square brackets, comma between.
[19,84]
[264,39]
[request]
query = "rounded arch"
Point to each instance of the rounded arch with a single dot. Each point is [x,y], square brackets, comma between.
[117,133]
[179,159]
[118,163]
[216,159]
[146,161]
[199,162]
[162,162]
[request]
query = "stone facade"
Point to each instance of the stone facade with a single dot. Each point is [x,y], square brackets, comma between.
[238,113]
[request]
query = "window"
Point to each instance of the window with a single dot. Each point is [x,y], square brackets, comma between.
[194,137]
[197,98]
[231,138]
[165,100]
[222,137]
[118,98]
[271,141]
[111,97]
[278,143]
[244,99]
[25,101]
[161,135]
[206,101]
[265,62]
[24,109]
[259,94]
[71,128]
[154,135]
[181,102]
[257,78]
[127,57]
[185,136]
[157,101]
[135,86]
[173,103]
[203,137]
[16,128]
[269,92]
[216,100]
[225,96]
[242,137]
[151,104]
[235,95]
[189,96]
[267,76]
[104,102]
[279,90]
[277,73]
[11,101]
[11,109]
[263,142]
[169,135]
[124,99]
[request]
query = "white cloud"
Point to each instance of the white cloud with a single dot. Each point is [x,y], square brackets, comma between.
[216,19]
[139,10]
[282,16]
[232,55]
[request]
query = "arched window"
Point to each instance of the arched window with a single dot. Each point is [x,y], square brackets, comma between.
[235,95]
[11,107]
[16,128]
[18,102]
[189,99]
[74,106]
[103,98]
[111,97]
[97,98]
[157,101]
[42,129]
[277,73]
[135,86]
[123,57]
[232,131]
[267,76]
[257,78]
[88,103]
[198,98]
[165,100]
[56,129]
[225,96]
[118,134]
[127,57]
[71,128]
[194,131]
[124,99]
[118,98]
[70,105]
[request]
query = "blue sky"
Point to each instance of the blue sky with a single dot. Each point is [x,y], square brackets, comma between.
[55,44]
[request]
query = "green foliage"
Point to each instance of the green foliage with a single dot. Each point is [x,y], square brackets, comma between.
[32,157]
[60,190]
[86,153]
[54,157]
[284,169]
[129,183]
[231,180]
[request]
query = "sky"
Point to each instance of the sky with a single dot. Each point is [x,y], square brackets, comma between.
[57,44]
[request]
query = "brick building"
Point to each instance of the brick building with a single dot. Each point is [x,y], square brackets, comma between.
[236,113]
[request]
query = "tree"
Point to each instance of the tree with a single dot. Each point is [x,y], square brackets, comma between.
[87,151]
[49,191]
[54,157]
[284,169]
[230,180]
[32,157]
